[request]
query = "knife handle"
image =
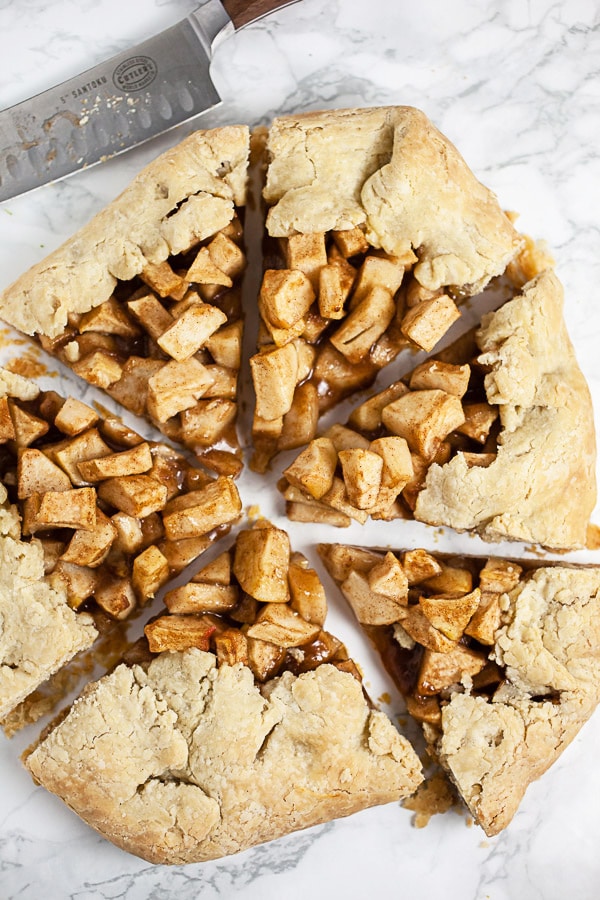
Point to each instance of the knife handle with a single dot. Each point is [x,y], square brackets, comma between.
[241,12]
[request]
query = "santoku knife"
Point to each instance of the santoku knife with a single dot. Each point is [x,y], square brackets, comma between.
[120,103]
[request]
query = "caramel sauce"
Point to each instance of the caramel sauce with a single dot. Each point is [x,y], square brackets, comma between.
[311,655]
[27,367]
[402,665]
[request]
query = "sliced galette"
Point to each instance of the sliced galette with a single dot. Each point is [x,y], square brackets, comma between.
[241,721]
[498,659]
[376,230]
[144,301]
[94,521]
[495,434]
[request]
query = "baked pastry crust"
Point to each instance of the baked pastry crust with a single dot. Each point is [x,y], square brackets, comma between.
[390,169]
[546,647]
[39,632]
[187,193]
[549,646]
[541,487]
[185,762]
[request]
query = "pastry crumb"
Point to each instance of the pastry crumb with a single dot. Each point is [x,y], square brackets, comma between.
[537,551]
[28,366]
[385,698]
[434,796]
[592,541]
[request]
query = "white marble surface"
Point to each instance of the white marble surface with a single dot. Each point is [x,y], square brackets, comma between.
[515,86]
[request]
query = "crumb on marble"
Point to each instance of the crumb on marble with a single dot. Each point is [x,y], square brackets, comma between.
[28,365]
[592,541]
[433,797]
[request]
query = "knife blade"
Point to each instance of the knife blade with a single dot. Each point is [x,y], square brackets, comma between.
[122,102]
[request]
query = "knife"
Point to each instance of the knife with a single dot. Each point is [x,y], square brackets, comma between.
[122,102]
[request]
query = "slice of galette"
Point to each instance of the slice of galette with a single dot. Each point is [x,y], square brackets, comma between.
[244,722]
[94,520]
[376,230]
[144,301]
[499,660]
[494,434]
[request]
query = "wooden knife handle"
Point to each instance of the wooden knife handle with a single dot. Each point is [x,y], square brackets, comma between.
[241,12]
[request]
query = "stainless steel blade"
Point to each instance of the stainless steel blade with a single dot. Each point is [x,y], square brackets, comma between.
[116,105]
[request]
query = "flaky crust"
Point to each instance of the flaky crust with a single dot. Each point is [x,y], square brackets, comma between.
[187,762]
[39,632]
[190,191]
[550,646]
[390,169]
[541,486]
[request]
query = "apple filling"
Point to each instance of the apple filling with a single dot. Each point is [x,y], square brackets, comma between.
[258,604]
[334,311]
[432,619]
[167,345]
[377,463]
[116,516]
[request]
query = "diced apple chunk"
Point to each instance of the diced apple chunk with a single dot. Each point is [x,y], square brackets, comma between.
[314,468]
[217,504]
[151,314]
[306,252]
[161,278]
[90,548]
[285,296]
[175,387]
[389,579]
[27,428]
[201,598]
[150,570]
[261,561]
[424,419]
[98,368]
[441,670]
[274,374]
[277,624]
[307,593]
[60,509]
[434,374]
[419,565]
[38,474]
[362,470]
[204,271]
[179,633]
[135,461]
[231,647]
[190,331]
[427,322]
[136,495]
[364,325]
[451,615]
[75,417]
[108,318]
[371,608]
